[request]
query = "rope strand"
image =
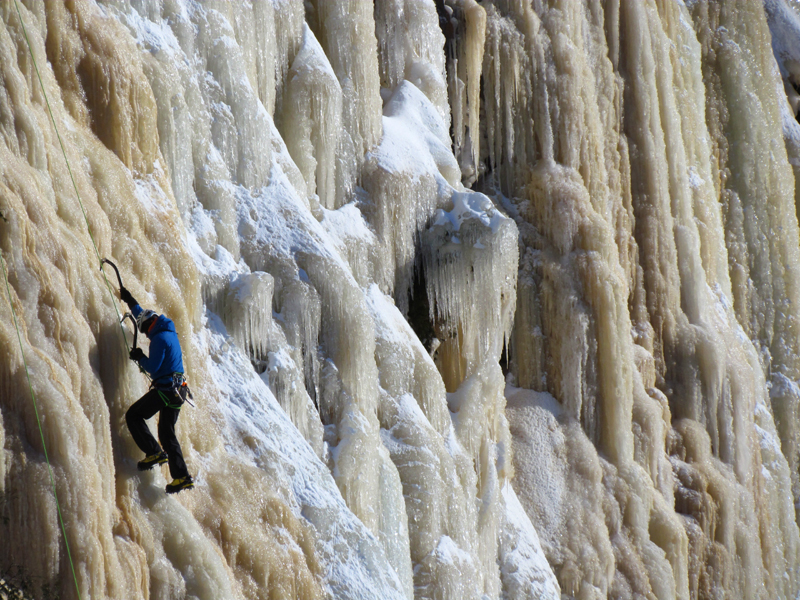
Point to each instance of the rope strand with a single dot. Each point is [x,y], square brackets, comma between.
[14,313]
[39,423]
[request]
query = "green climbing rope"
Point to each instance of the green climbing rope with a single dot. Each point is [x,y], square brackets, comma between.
[39,423]
[13,310]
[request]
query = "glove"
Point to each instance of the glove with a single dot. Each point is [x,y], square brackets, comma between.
[136,354]
[126,297]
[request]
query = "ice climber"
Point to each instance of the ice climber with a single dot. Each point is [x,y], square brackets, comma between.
[166,395]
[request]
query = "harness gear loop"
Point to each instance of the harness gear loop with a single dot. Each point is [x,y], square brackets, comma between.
[179,389]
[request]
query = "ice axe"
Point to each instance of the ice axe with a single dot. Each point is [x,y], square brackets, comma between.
[127,315]
[124,294]
[116,270]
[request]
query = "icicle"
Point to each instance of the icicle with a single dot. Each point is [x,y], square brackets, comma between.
[410,47]
[402,180]
[254,27]
[247,313]
[299,316]
[289,23]
[465,67]
[470,258]
[346,31]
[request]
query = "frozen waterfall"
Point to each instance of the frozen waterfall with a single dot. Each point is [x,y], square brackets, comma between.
[479,299]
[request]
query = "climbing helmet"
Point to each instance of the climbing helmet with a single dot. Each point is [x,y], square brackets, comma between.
[143,320]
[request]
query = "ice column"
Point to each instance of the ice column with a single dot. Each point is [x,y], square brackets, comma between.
[254,25]
[211,127]
[289,23]
[755,193]
[311,119]
[575,219]
[470,259]
[410,46]
[439,483]
[464,68]
[247,312]
[513,62]
[600,236]
[346,31]
[348,404]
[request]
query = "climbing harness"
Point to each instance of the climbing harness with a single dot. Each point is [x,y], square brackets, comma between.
[179,390]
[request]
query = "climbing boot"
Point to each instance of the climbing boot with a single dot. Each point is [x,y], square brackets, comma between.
[184,483]
[151,461]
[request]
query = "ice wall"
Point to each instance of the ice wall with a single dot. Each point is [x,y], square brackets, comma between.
[478,299]
[219,137]
[636,308]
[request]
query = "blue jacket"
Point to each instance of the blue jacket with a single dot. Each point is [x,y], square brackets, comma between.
[165,357]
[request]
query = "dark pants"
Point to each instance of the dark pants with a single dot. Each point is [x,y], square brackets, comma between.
[144,408]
